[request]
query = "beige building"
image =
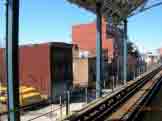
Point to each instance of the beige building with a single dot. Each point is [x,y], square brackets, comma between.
[84,67]
[84,72]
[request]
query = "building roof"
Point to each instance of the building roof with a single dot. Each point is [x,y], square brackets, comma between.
[53,44]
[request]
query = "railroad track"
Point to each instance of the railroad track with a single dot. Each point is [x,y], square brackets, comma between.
[103,108]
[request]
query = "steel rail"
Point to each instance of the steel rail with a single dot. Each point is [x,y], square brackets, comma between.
[128,95]
[133,115]
[105,107]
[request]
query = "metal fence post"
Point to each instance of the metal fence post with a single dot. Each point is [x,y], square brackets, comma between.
[134,75]
[86,95]
[60,107]
[112,83]
[104,85]
[67,102]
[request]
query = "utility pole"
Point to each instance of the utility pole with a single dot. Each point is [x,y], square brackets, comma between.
[12,67]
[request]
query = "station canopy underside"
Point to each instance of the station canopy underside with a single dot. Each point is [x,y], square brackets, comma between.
[113,10]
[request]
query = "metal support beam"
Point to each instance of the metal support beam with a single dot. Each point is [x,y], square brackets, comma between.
[12,27]
[98,51]
[125,52]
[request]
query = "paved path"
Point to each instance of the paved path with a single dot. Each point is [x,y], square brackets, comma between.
[49,113]
[53,112]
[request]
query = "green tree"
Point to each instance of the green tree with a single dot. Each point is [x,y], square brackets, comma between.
[132,50]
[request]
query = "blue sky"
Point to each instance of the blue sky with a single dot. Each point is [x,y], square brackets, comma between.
[145,29]
[51,20]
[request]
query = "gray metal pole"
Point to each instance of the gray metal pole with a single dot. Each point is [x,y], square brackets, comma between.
[67,102]
[12,27]
[125,52]
[113,83]
[117,76]
[98,51]
[86,95]
[61,108]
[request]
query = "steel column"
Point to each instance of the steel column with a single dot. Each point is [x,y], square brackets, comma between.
[98,50]
[125,52]
[12,27]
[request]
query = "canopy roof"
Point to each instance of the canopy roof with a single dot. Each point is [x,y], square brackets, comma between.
[115,9]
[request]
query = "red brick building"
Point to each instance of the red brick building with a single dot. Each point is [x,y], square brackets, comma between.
[43,65]
[2,64]
[84,35]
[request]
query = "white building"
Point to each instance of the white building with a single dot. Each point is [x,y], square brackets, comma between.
[151,58]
